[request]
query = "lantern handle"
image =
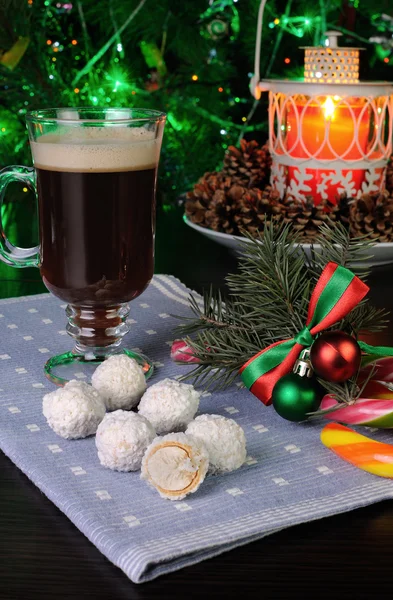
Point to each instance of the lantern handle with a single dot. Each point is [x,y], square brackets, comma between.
[254,83]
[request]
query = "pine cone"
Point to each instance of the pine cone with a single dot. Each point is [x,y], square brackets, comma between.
[213,203]
[255,208]
[220,215]
[389,175]
[305,217]
[339,211]
[198,200]
[372,214]
[248,165]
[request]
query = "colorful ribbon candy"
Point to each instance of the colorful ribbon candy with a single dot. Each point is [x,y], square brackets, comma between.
[378,390]
[181,352]
[382,370]
[375,408]
[359,450]
[373,412]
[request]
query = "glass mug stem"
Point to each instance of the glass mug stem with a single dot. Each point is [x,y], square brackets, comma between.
[10,254]
[98,333]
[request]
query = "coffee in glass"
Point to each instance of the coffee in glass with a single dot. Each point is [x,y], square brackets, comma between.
[96,176]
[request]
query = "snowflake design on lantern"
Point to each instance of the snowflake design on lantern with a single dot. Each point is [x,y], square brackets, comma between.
[301,181]
[322,186]
[372,183]
[299,189]
[345,182]
[348,186]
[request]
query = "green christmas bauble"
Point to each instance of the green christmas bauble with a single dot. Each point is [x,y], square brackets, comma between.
[294,396]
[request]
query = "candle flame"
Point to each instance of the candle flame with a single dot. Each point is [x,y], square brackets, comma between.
[328,108]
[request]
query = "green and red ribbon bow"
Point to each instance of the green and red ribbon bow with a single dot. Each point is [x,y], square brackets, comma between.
[337,292]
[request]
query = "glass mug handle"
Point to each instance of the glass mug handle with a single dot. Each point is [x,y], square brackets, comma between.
[10,254]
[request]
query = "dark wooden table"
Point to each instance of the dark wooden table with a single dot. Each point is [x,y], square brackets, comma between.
[43,555]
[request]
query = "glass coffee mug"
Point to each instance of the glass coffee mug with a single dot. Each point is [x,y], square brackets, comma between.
[95,174]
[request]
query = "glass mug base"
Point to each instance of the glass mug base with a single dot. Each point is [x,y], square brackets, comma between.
[72,365]
[98,333]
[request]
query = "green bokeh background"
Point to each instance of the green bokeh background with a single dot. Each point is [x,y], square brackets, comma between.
[192,59]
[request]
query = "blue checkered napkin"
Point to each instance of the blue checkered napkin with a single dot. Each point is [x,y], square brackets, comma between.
[288,478]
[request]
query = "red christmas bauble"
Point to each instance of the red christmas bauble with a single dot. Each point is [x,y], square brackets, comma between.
[335,356]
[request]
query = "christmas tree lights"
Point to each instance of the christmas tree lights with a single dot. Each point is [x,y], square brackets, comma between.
[190,60]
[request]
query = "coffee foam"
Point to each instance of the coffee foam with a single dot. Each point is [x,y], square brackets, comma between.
[98,149]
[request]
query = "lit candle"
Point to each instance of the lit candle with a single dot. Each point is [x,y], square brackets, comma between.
[326,129]
[327,122]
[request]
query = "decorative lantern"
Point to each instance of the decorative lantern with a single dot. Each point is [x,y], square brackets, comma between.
[329,133]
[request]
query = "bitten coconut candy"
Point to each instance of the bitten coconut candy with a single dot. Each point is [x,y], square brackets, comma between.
[74,411]
[175,465]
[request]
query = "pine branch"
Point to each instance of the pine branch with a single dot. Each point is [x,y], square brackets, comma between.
[337,246]
[366,318]
[268,301]
[222,351]
[273,281]
[215,314]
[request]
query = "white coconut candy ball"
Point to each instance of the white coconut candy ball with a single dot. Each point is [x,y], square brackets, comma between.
[169,405]
[224,440]
[175,465]
[120,381]
[74,411]
[121,440]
